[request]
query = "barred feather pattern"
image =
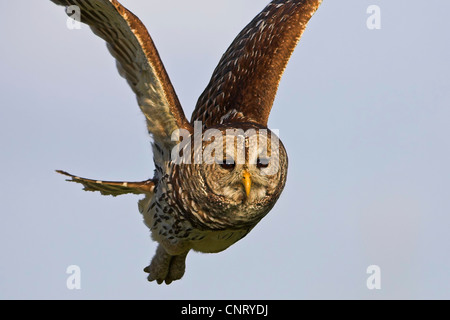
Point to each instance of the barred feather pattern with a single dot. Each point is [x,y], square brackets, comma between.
[244,84]
[138,62]
[204,207]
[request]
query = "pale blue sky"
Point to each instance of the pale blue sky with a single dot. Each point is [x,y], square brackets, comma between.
[364,115]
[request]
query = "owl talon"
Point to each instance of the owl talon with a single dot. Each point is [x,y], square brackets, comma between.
[166,268]
[151,277]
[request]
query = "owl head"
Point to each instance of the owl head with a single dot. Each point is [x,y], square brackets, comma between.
[235,175]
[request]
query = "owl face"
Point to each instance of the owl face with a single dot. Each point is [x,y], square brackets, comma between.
[240,176]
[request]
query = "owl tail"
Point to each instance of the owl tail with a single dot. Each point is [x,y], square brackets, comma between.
[113,188]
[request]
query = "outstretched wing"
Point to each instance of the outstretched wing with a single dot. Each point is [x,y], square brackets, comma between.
[244,84]
[113,188]
[138,62]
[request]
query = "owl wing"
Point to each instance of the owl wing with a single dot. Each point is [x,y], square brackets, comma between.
[244,84]
[138,62]
[113,188]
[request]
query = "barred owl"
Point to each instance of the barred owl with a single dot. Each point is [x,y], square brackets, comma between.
[217,175]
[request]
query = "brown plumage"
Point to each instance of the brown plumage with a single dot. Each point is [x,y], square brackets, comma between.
[210,204]
[247,77]
[113,188]
[138,62]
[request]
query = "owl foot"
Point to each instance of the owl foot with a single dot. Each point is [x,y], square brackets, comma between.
[165,267]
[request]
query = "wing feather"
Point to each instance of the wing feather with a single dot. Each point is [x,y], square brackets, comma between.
[245,82]
[113,188]
[138,62]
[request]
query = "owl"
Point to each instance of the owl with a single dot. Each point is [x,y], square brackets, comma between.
[217,175]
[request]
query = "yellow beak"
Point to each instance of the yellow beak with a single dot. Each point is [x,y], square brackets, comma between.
[247,182]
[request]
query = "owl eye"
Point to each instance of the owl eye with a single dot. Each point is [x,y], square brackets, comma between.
[262,163]
[228,164]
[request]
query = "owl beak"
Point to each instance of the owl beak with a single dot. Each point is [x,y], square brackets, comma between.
[247,182]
